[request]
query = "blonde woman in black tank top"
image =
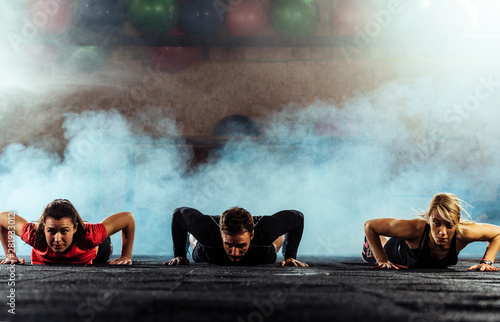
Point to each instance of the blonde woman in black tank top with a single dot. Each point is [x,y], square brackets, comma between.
[432,240]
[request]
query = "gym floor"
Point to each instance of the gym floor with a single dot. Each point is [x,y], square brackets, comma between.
[331,289]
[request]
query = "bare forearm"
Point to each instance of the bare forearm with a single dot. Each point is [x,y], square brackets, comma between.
[124,222]
[128,235]
[4,238]
[375,245]
[10,225]
[492,249]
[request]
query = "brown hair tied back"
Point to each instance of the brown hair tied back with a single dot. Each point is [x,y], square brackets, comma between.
[58,209]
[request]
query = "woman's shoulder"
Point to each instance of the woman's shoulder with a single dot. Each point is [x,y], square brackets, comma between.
[414,224]
[408,229]
[419,223]
[29,227]
[473,231]
[416,227]
[94,235]
[28,232]
[94,229]
[93,226]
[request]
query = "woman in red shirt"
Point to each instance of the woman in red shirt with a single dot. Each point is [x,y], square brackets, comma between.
[60,236]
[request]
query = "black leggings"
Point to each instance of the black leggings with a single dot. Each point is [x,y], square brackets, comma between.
[104,252]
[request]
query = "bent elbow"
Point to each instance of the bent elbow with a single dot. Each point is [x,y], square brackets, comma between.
[299,215]
[368,226]
[180,211]
[129,219]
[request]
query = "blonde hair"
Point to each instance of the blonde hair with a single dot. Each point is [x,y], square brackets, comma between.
[448,207]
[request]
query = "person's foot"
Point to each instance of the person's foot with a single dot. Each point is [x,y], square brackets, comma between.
[367,253]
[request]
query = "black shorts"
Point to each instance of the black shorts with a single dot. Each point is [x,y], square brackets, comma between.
[104,252]
[398,252]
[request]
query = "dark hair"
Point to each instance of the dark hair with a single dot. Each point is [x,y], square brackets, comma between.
[236,221]
[58,209]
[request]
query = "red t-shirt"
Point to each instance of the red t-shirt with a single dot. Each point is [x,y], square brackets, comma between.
[78,254]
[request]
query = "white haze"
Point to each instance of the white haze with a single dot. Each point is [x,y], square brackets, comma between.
[412,139]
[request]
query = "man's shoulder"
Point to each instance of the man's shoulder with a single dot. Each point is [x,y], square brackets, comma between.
[215,218]
[259,220]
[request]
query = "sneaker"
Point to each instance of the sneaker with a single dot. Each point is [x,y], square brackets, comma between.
[367,253]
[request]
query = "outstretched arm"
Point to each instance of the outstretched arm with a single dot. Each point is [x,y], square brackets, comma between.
[490,234]
[124,222]
[10,224]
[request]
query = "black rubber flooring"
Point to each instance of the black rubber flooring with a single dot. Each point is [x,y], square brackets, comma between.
[333,289]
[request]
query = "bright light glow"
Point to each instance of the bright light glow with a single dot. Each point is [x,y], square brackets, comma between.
[425,3]
[472,11]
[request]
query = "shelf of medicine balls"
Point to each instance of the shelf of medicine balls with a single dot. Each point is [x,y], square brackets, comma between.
[228,41]
[189,23]
[83,39]
[280,23]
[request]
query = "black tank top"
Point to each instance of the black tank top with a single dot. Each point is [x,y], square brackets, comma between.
[425,258]
[399,252]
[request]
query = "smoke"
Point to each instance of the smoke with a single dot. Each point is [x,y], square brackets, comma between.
[380,153]
[402,147]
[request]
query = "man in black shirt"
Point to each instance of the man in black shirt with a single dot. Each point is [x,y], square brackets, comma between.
[236,237]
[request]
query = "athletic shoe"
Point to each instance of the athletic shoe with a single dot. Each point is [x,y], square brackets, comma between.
[367,253]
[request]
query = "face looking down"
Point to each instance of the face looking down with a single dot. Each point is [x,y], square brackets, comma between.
[442,231]
[236,245]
